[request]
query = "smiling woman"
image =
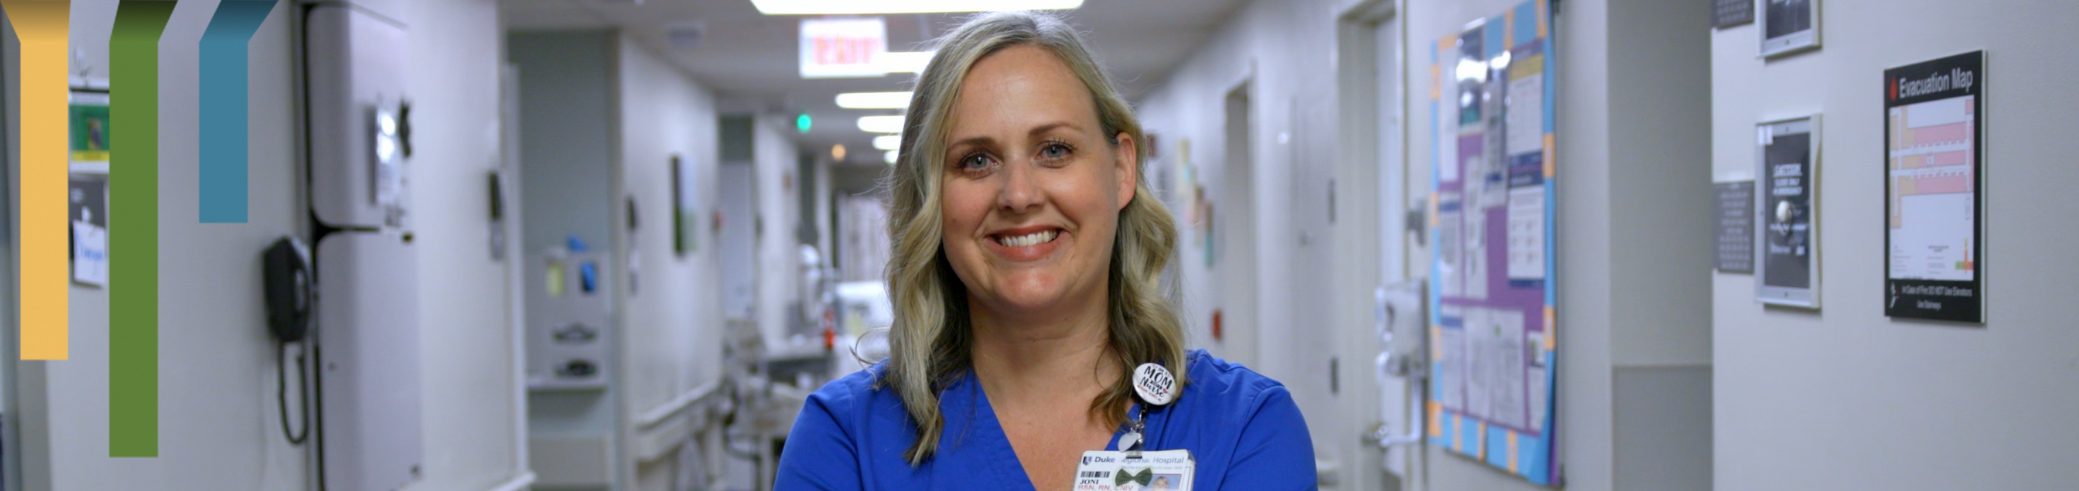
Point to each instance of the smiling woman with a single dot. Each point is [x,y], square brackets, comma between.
[1024,273]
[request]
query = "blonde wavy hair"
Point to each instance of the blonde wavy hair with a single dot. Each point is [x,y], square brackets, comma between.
[930,341]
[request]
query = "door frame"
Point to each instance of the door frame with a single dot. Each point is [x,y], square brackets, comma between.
[1237,264]
[1371,251]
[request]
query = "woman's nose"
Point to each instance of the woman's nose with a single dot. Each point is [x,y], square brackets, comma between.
[1021,192]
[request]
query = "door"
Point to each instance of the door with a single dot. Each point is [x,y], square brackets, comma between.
[1380,314]
[1401,298]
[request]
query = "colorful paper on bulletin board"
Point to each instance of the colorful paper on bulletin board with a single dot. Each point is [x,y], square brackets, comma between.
[1492,391]
[89,127]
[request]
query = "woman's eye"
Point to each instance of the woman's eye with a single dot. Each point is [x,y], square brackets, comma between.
[974,162]
[1055,151]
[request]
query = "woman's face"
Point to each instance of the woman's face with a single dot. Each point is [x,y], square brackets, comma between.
[1032,186]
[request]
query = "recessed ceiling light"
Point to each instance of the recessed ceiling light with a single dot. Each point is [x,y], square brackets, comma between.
[873,100]
[880,124]
[888,142]
[856,7]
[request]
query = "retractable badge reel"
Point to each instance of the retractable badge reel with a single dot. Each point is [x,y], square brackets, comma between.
[1133,468]
[1156,387]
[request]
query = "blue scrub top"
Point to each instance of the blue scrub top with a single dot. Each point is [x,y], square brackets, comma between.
[1242,428]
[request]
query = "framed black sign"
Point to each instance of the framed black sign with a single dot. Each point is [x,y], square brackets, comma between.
[1789,26]
[1786,208]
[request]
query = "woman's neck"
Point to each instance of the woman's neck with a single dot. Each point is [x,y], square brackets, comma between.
[1037,360]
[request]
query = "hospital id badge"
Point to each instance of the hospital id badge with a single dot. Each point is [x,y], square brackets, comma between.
[1167,470]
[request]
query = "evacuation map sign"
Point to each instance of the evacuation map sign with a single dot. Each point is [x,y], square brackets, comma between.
[1492,358]
[1932,224]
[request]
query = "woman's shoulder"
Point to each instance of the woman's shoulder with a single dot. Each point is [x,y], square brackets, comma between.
[1242,427]
[1212,373]
[1218,384]
[857,408]
[848,431]
[853,392]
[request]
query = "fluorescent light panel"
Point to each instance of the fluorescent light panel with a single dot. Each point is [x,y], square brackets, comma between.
[880,124]
[888,142]
[890,157]
[864,7]
[874,100]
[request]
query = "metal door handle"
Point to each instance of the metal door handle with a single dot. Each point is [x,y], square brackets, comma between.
[1383,436]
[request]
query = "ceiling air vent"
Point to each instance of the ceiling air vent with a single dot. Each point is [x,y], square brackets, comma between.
[683,36]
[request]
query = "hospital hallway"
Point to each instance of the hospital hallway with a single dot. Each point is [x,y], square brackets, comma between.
[616,245]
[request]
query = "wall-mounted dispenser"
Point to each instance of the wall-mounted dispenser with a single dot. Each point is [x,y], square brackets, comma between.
[568,342]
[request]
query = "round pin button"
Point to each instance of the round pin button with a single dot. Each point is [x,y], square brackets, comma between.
[1154,384]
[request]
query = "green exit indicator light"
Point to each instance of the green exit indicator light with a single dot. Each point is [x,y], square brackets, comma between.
[802,123]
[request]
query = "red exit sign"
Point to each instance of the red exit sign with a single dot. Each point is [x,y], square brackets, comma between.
[833,48]
[845,51]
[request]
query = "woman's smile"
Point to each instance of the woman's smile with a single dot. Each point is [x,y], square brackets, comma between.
[1025,244]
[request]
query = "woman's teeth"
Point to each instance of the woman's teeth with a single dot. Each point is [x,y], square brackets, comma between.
[1028,240]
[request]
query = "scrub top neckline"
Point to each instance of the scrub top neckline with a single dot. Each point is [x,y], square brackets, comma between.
[1000,440]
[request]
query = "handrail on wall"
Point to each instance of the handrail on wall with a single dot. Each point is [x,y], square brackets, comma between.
[672,407]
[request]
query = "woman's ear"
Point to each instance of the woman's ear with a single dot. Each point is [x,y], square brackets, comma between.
[1127,156]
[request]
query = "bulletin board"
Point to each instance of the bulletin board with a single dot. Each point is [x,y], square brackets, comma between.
[1491,207]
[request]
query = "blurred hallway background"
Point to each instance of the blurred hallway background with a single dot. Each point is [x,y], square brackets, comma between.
[613,244]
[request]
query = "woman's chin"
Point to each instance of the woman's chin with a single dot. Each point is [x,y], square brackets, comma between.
[1029,297]
[1030,301]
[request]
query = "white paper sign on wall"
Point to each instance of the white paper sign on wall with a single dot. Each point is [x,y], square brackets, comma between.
[838,48]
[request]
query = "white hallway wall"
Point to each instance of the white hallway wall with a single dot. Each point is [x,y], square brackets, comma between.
[465,316]
[671,320]
[1640,312]
[675,320]
[218,423]
[1846,398]
[778,270]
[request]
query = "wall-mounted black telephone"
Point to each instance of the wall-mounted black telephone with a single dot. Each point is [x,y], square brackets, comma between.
[290,295]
